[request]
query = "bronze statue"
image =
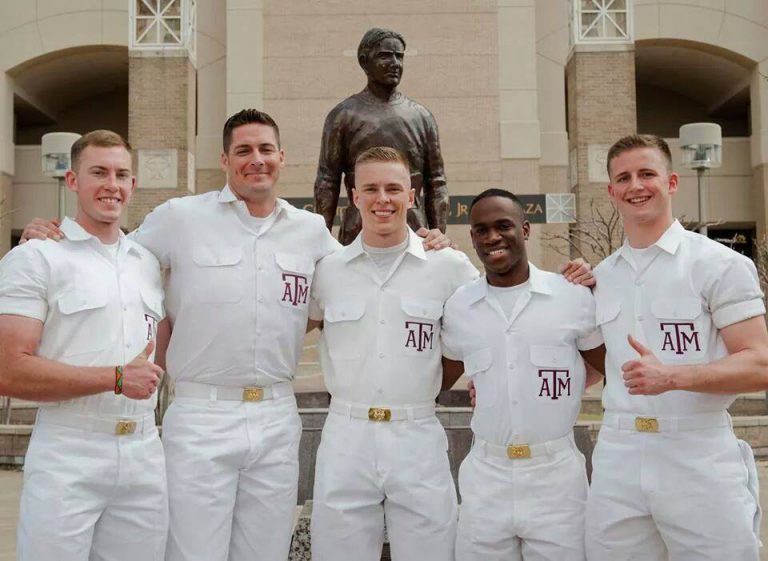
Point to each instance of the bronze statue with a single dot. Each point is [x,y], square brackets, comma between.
[381,116]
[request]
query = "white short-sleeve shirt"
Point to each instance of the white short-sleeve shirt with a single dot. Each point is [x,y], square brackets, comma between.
[381,337]
[689,289]
[527,370]
[96,309]
[238,292]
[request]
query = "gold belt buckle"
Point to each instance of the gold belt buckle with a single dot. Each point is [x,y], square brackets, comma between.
[646,424]
[125,427]
[518,451]
[253,394]
[379,414]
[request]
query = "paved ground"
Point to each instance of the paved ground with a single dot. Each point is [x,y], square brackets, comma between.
[10,488]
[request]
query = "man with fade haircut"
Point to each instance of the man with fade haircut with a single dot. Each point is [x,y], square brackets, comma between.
[683,321]
[521,335]
[383,452]
[78,321]
[240,263]
[380,115]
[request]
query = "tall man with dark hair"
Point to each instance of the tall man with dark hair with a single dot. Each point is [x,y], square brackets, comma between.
[522,335]
[241,263]
[683,321]
[78,321]
[381,116]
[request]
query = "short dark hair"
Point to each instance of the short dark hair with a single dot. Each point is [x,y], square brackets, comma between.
[383,154]
[372,38]
[101,138]
[495,192]
[246,117]
[635,141]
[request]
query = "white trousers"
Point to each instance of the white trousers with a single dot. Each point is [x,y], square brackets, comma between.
[92,496]
[683,496]
[368,471]
[232,478]
[522,509]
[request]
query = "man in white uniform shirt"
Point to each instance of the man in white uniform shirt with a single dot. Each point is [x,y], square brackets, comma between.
[78,321]
[383,451]
[683,321]
[521,334]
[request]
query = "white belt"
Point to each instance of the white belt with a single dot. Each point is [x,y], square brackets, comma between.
[230,393]
[383,414]
[120,426]
[522,451]
[647,423]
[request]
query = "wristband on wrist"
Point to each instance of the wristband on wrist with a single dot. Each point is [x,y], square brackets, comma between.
[118,380]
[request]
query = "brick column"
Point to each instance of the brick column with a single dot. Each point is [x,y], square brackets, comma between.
[601,109]
[161,129]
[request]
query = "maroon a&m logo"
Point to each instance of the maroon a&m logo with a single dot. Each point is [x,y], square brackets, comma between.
[420,335]
[151,326]
[295,289]
[554,382]
[678,336]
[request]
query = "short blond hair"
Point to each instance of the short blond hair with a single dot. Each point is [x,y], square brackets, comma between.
[102,138]
[635,141]
[383,154]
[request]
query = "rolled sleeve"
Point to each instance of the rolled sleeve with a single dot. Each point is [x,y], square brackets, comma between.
[591,341]
[590,336]
[23,283]
[735,294]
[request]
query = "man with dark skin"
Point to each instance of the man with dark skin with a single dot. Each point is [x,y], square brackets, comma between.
[381,116]
[518,333]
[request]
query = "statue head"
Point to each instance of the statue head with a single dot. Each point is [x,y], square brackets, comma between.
[380,54]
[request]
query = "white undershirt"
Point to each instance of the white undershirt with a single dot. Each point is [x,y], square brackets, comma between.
[642,257]
[112,249]
[259,222]
[507,296]
[386,258]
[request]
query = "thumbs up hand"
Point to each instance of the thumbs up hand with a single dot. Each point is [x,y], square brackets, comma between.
[140,376]
[645,375]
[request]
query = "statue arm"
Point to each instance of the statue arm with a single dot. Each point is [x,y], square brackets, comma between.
[436,200]
[329,169]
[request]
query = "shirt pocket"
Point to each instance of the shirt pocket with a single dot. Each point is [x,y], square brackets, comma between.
[343,329]
[420,331]
[218,273]
[555,374]
[476,366]
[85,325]
[677,334]
[295,277]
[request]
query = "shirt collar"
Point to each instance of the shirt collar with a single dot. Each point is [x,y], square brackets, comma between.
[76,233]
[669,241]
[538,282]
[355,249]
[226,195]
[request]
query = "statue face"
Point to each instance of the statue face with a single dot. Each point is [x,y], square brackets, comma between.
[384,64]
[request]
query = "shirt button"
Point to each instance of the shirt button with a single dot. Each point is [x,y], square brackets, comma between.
[639,318]
[381,355]
[511,366]
[514,402]
[381,321]
[260,299]
[380,390]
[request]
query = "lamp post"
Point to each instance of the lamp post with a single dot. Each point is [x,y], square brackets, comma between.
[701,144]
[55,148]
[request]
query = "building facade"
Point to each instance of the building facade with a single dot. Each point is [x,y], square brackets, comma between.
[527,94]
